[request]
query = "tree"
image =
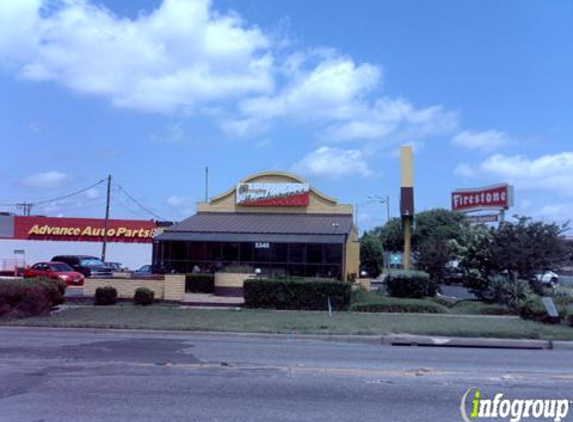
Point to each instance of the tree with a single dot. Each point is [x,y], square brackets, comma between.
[435,239]
[371,255]
[519,249]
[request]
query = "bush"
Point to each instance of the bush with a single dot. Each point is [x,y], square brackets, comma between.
[200,283]
[392,304]
[411,284]
[24,298]
[503,290]
[143,296]
[534,309]
[296,294]
[105,296]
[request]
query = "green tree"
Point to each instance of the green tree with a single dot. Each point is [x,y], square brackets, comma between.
[517,249]
[436,238]
[371,255]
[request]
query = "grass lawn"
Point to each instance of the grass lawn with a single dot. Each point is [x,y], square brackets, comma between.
[161,317]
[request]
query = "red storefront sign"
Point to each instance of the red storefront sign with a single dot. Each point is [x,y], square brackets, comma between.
[491,197]
[82,229]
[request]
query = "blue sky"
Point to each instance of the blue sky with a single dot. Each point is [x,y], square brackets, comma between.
[153,91]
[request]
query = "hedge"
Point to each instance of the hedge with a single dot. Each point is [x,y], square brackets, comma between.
[296,294]
[392,304]
[411,284]
[106,295]
[143,296]
[199,283]
[24,298]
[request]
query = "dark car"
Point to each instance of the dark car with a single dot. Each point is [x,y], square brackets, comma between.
[89,266]
[55,270]
[149,270]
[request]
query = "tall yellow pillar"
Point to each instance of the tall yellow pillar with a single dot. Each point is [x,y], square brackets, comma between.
[407,202]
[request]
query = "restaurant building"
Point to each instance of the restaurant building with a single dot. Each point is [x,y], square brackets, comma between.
[272,221]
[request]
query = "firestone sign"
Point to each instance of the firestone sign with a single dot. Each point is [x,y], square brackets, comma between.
[497,197]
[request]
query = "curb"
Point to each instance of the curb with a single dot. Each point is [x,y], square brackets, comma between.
[380,340]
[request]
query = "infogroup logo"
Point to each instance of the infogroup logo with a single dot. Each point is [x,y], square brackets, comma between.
[475,407]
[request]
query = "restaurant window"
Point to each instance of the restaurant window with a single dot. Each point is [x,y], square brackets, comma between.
[197,251]
[179,251]
[296,252]
[231,251]
[279,252]
[246,252]
[332,253]
[213,251]
[314,254]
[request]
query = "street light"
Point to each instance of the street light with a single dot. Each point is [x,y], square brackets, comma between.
[382,200]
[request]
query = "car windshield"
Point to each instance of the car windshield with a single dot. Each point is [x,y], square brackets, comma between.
[91,262]
[60,267]
[145,268]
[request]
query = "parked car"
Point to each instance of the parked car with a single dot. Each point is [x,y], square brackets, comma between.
[149,270]
[548,277]
[56,270]
[115,265]
[89,266]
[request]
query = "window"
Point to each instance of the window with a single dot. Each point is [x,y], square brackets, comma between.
[279,252]
[231,252]
[332,253]
[314,254]
[296,252]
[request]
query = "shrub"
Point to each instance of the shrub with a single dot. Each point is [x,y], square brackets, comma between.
[534,309]
[296,294]
[392,304]
[200,283]
[24,298]
[143,296]
[411,284]
[106,295]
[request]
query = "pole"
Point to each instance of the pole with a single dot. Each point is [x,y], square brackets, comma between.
[388,209]
[206,183]
[407,259]
[105,224]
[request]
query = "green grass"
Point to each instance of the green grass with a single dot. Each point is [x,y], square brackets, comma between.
[159,317]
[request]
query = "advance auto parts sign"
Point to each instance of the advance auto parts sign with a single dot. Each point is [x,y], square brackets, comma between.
[273,194]
[83,229]
[491,197]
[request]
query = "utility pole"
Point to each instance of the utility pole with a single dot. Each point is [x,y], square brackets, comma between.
[26,207]
[206,183]
[105,224]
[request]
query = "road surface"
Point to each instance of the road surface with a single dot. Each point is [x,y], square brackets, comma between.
[83,375]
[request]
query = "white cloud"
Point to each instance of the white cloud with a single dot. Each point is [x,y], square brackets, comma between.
[172,133]
[333,163]
[560,213]
[92,193]
[186,57]
[545,173]
[330,90]
[488,140]
[180,55]
[177,201]
[464,170]
[49,179]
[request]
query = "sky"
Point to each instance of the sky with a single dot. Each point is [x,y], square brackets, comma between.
[153,91]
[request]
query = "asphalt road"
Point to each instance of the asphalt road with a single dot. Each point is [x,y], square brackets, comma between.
[87,375]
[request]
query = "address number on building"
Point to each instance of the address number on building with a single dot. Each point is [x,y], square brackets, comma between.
[262,245]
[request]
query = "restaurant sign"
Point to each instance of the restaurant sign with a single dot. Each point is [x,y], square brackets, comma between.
[497,197]
[273,194]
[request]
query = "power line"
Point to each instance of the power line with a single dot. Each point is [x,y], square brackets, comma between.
[135,201]
[70,194]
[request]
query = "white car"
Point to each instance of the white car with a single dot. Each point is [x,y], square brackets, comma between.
[548,277]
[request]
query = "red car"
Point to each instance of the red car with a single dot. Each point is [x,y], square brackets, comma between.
[57,270]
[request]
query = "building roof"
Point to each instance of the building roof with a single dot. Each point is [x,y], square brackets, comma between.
[323,228]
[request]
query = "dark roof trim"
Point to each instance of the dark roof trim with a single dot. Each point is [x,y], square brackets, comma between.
[251,237]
